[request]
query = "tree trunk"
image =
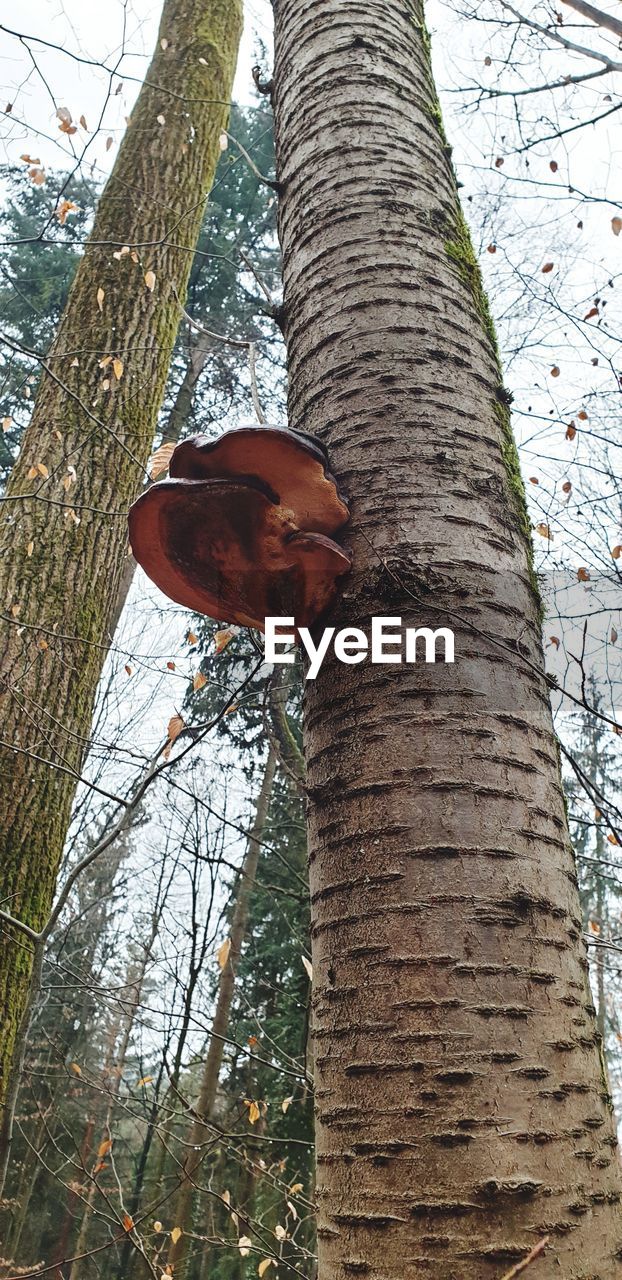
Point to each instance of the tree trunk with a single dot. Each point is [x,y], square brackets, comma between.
[117,1055]
[199,1131]
[462,1108]
[177,419]
[58,579]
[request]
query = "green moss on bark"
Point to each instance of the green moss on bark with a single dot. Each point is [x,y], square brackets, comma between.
[64,575]
[459,248]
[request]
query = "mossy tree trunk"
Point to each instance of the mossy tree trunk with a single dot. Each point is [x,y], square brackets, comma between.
[199,1132]
[462,1107]
[59,579]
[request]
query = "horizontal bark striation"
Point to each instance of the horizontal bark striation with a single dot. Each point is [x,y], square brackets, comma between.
[58,579]
[462,1104]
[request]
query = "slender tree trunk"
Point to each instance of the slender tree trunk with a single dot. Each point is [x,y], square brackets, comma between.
[135,980]
[462,1108]
[58,579]
[72,1206]
[199,1131]
[173,431]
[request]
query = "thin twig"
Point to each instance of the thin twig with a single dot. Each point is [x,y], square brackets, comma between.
[260,280]
[531,1257]
[247,344]
[254,392]
[269,182]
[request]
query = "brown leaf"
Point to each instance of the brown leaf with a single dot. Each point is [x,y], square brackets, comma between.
[555,371]
[567,487]
[548,266]
[160,460]
[593,311]
[224,637]
[150,280]
[553,166]
[176,1234]
[199,681]
[616,226]
[101,294]
[128,1222]
[571,431]
[191,638]
[617,551]
[544,530]
[117,365]
[175,726]
[614,635]
[77,1071]
[65,207]
[253,1113]
[554,640]
[104,1147]
[533,480]
[582,415]
[583,575]
[222,955]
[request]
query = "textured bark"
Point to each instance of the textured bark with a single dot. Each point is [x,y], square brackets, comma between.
[462,1107]
[59,580]
[115,1062]
[176,424]
[199,1131]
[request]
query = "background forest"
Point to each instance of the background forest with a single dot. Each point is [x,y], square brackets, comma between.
[161,1103]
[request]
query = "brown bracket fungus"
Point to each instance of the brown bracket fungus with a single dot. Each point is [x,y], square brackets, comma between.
[241,531]
[293,465]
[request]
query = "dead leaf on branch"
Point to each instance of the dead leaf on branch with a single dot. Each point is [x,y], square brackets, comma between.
[159,462]
[174,728]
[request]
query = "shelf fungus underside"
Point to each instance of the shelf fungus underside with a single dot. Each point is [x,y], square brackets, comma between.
[243,529]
